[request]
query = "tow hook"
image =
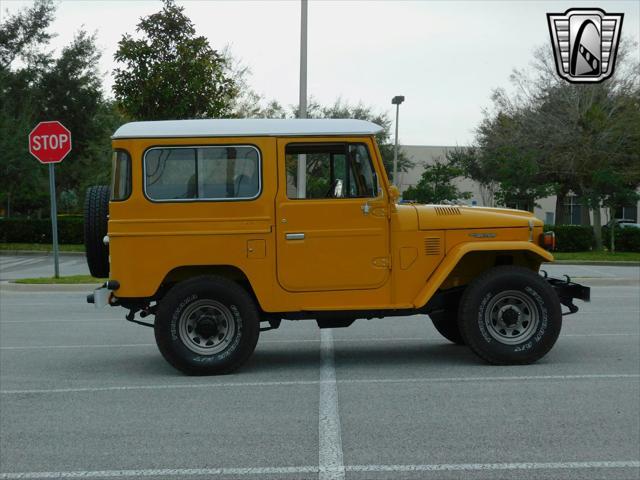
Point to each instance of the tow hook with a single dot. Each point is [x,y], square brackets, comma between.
[567,290]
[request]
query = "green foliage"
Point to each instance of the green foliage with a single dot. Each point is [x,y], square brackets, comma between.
[22,33]
[171,73]
[341,109]
[572,238]
[549,136]
[33,230]
[437,183]
[625,239]
[41,87]
[68,201]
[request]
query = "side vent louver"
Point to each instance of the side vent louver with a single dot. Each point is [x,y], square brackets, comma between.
[447,210]
[432,246]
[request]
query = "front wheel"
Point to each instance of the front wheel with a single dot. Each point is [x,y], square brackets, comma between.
[510,316]
[207,325]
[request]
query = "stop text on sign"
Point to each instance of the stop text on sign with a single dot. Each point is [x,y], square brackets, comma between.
[50,142]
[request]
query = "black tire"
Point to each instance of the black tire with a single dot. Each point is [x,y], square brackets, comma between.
[218,307]
[510,315]
[96,216]
[446,323]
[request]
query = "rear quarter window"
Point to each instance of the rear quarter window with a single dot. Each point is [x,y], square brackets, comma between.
[217,173]
[121,179]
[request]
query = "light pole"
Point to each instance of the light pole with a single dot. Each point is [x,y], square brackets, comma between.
[397,100]
[302,107]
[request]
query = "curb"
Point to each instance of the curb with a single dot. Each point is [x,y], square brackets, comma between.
[38,252]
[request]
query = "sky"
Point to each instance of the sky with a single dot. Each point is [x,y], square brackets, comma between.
[445,57]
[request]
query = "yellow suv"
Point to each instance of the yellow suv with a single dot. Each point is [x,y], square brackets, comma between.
[215,228]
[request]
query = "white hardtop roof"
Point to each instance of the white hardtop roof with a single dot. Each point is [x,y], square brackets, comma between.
[259,127]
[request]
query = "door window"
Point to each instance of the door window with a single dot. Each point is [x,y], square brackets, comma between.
[329,170]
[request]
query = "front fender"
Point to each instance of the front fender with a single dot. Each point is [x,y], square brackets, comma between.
[454,256]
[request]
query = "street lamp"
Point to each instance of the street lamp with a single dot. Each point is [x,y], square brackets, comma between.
[397,100]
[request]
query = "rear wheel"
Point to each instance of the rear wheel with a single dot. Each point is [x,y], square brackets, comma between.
[446,323]
[509,316]
[207,325]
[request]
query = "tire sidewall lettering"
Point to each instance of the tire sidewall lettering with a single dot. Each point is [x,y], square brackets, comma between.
[480,318]
[175,318]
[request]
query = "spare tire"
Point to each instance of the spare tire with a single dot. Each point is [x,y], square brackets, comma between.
[96,215]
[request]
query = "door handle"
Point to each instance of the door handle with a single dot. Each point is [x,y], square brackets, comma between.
[294,236]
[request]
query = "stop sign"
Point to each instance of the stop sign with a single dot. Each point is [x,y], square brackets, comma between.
[50,142]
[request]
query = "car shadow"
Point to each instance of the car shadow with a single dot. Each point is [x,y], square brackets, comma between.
[362,355]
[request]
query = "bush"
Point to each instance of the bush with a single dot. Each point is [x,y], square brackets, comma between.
[572,238]
[626,239]
[33,230]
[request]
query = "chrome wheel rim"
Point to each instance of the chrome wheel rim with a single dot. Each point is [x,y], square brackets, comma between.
[207,327]
[511,317]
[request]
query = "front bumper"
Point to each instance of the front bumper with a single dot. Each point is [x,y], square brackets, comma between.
[567,291]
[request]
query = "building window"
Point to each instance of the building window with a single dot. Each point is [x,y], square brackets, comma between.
[627,213]
[573,209]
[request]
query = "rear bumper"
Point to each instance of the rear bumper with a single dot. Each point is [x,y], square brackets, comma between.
[101,296]
[568,291]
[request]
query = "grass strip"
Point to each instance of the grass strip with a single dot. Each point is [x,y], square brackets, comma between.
[40,247]
[598,256]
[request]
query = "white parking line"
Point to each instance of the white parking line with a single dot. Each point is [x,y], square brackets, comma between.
[330,457]
[302,340]
[261,471]
[284,383]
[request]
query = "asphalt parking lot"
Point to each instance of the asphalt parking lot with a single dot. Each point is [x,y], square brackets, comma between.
[83,394]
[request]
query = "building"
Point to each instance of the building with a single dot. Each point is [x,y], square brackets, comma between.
[545,208]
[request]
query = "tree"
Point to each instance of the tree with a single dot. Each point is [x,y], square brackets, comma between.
[339,109]
[549,136]
[172,73]
[22,35]
[71,91]
[41,87]
[437,183]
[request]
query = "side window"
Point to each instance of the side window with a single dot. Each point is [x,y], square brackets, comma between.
[121,175]
[326,170]
[202,173]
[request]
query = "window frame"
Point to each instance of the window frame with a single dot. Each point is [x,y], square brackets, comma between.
[377,185]
[195,147]
[129,175]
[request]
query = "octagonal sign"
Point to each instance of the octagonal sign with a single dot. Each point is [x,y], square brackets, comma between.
[50,142]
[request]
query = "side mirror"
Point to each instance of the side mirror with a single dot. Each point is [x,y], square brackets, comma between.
[394,194]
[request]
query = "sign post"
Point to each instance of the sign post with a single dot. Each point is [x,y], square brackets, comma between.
[50,142]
